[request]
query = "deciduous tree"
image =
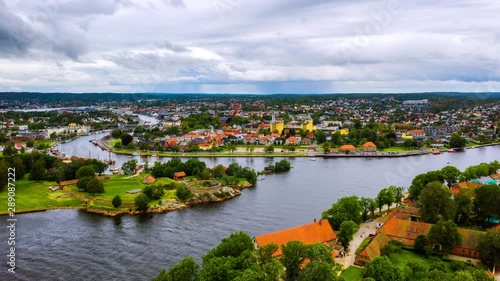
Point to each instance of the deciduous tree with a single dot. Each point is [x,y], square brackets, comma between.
[435,203]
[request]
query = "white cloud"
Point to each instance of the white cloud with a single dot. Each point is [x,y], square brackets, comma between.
[250,46]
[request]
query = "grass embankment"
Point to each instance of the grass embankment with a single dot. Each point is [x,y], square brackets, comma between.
[363,244]
[352,273]
[35,196]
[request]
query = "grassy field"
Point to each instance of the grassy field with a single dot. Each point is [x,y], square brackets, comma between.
[352,273]
[32,196]
[113,142]
[363,244]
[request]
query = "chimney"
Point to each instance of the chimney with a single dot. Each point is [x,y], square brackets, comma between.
[314,220]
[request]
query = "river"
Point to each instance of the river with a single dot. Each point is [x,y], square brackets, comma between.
[75,245]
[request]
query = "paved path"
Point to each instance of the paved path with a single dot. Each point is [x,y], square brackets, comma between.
[364,230]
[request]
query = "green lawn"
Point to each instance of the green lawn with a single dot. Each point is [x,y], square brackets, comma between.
[363,244]
[48,143]
[113,142]
[352,273]
[32,196]
[396,149]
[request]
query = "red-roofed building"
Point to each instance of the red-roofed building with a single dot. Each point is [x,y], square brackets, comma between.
[369,147]
[316,232]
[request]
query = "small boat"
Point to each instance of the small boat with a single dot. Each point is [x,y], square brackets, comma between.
[94,142]
[436,152]
[312,159]
[451,150]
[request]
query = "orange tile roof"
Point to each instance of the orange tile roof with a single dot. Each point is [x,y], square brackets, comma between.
[316,232]
[372,250]
[149,179]
[369,144]
[347,147]
[405,228]
[465,184]
[495,176]
[179,174]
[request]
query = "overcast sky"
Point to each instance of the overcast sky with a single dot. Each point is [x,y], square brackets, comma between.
[249,46]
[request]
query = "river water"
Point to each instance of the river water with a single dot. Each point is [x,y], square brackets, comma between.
[75,245]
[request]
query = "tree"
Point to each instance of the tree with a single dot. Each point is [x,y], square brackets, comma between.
[435,203]
[489,247]
[38,170]
[450,174]
[95,186]
[218,171]
[269,149]
[381,269]
[326,147]
[183,193]
[82,183]
[131,146]
[397,192]
[141,202]
[415,267]
[320,136]
[464,208]
[117,201]
[385,197]
[456,141]
[294,253]
[420,244]
[176,149]
[346,209]
[116,133]
[17,164]
[118,145]
[346,232]
[4,175]
[486,202]
[129,167]
[251,149]
[154,192]
[126,139]
[282,166]
[366,204]
[85,171]
[186,270]
[444,233]
[318,270]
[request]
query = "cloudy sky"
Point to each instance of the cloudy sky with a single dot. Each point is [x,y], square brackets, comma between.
[249,46]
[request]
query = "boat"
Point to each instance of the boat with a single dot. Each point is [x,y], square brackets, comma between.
[115,171]
[94,142]
[436,152]
[451,150]
[312,159]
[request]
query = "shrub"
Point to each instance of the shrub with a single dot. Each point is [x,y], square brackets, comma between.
[117,201]
[183,193]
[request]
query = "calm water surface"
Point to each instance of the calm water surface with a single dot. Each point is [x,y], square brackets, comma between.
[75,245]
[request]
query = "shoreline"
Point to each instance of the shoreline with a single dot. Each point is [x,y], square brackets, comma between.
[237,191]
